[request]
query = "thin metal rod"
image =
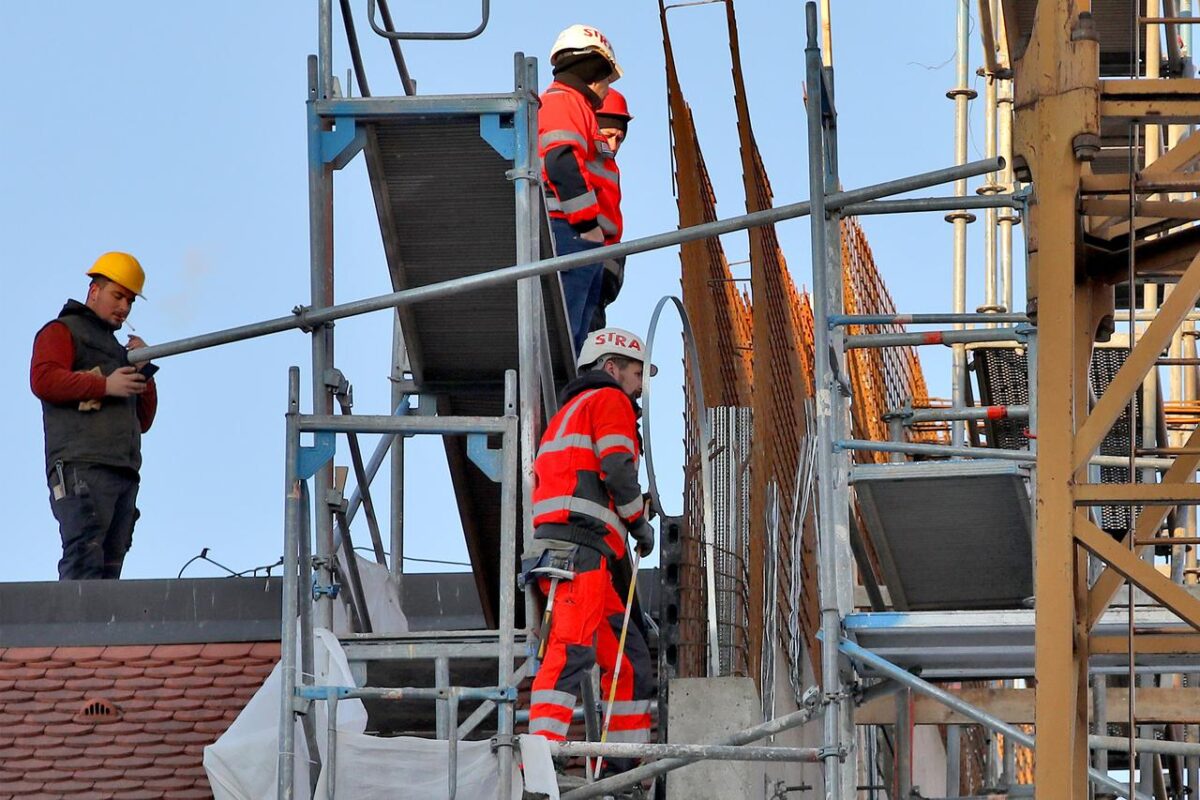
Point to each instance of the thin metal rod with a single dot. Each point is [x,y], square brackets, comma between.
[960,95]
[360,73]
[648,771]
[921,319]
[714,752]
[291,589]
[993,453]
[826,284]
[954,337]
[485,13]
[510,487]
[920,204]
[497,694]
[377,459]
[975,412]
[1011,733]
[406,81]
[362,490]
[383,423]
[308,318]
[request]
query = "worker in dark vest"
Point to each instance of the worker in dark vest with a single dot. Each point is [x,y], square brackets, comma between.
[612,118]
[577,165]
[98,399]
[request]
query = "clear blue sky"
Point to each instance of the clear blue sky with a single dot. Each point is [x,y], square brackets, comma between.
[176,132]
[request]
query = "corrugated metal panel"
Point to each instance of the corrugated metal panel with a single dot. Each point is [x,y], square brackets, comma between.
[950,535]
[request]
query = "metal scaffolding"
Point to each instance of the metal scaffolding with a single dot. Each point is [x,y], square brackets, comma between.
[1052,63]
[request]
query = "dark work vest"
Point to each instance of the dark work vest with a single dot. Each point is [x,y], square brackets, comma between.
[111,435]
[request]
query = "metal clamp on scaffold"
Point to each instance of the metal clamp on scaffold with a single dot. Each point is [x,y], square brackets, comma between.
[522,174]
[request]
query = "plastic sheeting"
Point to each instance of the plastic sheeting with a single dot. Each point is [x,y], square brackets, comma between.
[377,768]
[383,601]
[243,763]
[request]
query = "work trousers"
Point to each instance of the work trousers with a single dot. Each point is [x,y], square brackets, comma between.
[96,509]
[581,286]
[585,628]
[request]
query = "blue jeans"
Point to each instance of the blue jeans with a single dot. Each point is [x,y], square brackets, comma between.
[96,511]
[581,286]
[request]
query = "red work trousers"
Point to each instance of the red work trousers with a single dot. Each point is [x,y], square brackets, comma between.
[585,629]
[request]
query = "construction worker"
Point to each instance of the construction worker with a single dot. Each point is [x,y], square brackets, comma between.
[98,399]
[613,120]
[586,497]
[579,175]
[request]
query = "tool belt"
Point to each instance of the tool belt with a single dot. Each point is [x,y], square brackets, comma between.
[557,559]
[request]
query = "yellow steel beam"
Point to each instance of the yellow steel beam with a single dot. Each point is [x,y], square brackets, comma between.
[1182,471]
[1158,644]
[1137,494]
[1151,183]
[1138,572]
[1138,365]
[1056,99]
[1147,88]
[1178,158]
[1151,100]
[1109,211]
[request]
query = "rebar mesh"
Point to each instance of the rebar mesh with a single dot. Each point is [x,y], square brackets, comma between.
[883,379]
[723,333]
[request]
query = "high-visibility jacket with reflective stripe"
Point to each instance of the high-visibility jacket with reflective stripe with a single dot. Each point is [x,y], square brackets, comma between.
[585,476]
[567,119]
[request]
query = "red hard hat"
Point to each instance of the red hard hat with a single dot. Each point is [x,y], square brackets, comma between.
[614,105]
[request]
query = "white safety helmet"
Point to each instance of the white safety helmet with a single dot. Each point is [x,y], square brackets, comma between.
[580,38]
[614,342]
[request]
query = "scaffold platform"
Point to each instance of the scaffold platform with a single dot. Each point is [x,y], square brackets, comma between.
[950,534]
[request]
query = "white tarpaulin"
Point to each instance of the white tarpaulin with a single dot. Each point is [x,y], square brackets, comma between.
[243,763]
[378,768]
[383,601]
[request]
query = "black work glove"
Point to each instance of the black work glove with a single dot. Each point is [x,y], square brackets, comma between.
[648,506]
[643,534]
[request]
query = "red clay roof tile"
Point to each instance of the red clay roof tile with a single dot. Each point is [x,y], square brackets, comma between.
[173,652]
[226,650]
[128,652]
[189,682]
[174,700]
[27,655]
[65,787]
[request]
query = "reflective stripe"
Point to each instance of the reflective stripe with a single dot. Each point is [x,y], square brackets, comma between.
[606,224]
[555,697]
[579,505]
[630,707]
[554,137]
[570,410]
[584,201]
[550,725]
[598,169]
[615,440]
[631,508]
[567,442]
[552,203]
[635,736]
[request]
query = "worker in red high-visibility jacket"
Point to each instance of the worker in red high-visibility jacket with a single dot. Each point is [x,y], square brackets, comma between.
[577,165]
[586,497]
[612,118]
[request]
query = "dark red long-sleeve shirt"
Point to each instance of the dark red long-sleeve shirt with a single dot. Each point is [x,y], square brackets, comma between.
[52,380]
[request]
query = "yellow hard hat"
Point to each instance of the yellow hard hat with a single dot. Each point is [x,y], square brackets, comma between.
[121,268]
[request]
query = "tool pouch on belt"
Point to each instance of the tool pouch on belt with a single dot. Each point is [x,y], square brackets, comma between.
[557,555]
